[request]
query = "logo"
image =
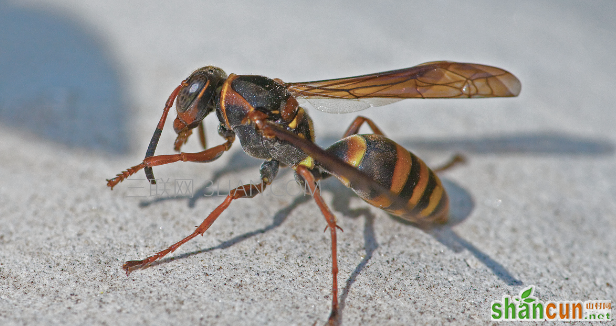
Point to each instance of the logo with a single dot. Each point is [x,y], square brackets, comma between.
[185,188]
[527,307]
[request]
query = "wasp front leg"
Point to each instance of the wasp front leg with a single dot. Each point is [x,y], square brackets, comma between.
[201,131]
[182,137]
[208,155]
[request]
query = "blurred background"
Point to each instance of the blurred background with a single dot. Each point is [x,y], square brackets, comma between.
[83,84]
[94,75]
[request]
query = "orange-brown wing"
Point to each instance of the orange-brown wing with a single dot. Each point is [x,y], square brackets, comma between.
[440,79]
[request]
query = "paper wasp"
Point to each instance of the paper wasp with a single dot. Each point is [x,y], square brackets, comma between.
[265,115]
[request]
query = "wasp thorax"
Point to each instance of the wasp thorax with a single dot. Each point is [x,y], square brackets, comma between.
[197,98]
[266,95]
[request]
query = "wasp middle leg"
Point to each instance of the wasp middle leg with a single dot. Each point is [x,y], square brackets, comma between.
[269,169]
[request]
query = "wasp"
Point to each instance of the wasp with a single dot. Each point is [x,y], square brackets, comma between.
[267,118]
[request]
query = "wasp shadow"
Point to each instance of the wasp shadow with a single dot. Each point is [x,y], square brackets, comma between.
[239,161]
[547,143]
[540,143]
[462,203]
[341,200]
[531,144]
[58,80]
[340,203]
[461,206]
[277,221]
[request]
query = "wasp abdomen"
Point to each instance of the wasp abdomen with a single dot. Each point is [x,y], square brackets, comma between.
[398,170]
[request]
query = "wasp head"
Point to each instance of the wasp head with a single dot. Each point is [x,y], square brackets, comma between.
[197,98]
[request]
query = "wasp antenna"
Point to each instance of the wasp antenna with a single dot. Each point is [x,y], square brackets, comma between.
[149,173]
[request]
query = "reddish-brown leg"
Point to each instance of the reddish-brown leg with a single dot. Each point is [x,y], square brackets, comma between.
[159,128]
[357,123]
[201,131]
[202,157]
[182,137]
[245,191]
[457,159]
[331,224]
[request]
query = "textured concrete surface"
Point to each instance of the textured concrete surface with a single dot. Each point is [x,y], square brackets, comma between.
[82,85]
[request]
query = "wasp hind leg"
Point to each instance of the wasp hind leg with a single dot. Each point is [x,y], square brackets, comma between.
[358,122]
[353,130]
[310,181]
[455,160]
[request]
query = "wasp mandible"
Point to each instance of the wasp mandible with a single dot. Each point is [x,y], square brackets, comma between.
[265,115]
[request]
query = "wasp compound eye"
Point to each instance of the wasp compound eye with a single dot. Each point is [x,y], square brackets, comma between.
[192,93]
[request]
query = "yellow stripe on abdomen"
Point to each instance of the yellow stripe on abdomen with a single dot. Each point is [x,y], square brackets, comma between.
[402,169]
[356,150]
